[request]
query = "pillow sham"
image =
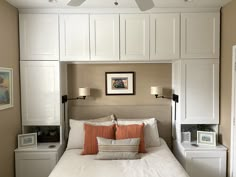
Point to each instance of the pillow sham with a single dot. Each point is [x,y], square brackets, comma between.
[109,149]
[131,131]
[151,134]
[76,134]
[92,132]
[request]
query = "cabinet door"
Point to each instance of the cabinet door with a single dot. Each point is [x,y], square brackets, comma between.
[35,164]
[104,35]
[74,37]
[206,163]
[164,36]
[200,92]
[200,35]
[134,31]
[40,92]
[39,37]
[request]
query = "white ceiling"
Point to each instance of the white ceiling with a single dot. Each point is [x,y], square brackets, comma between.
[110,3]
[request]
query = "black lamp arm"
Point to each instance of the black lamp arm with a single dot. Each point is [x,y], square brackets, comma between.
[174,97]
[65,98]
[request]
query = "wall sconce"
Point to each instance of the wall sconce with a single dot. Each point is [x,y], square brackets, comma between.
[158,92]
[83,93]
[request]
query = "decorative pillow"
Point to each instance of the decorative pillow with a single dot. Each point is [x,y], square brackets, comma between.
[151,134]
[76,134]
[131,131]
[91,134]
[109,149]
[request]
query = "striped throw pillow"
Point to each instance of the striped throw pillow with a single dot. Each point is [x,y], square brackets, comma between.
[109,149]
[91,133]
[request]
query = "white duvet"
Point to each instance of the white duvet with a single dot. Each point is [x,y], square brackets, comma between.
[157,162]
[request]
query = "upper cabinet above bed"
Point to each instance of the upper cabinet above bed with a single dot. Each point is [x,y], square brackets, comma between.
[104,37]
[74,37]
[153,37]
[134,37]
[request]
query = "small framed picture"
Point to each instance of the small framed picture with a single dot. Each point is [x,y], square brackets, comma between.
[119,83]
[206,138]
[28,140]
[186,137]
[6,88]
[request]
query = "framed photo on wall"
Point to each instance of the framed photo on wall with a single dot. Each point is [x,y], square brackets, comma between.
[6,88]
[28,140]
[206,138]
[119,83]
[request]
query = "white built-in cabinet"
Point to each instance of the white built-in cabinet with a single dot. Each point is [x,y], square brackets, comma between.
[40,92]
[134,37]
[74,37]
[200,33]
[119,37]
[201,161]
[37,162]
[197,84]
[39,36]
[164,36]
[104,37]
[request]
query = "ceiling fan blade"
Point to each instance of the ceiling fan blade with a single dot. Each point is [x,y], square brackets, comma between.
[75,2]
[145,4]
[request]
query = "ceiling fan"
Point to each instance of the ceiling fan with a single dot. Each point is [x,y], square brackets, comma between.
[142,4]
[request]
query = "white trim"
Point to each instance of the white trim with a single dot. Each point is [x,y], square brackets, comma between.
[232,110]
[115,10]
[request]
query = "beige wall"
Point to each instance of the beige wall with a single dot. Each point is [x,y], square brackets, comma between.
[228,39]
[9,118]
[93,76]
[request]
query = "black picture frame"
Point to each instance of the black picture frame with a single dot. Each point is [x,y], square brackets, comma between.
[120,83]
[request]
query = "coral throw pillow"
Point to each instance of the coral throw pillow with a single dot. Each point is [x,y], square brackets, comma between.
[131,131]
[90,138]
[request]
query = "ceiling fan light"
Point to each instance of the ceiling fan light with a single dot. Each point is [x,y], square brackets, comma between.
[145,4]
[75,2]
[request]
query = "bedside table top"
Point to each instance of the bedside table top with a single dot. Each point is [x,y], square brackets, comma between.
[42,147]
[189,147]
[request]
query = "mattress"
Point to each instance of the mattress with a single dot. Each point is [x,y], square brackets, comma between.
[157,162]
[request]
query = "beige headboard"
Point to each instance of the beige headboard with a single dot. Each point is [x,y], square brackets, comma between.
[161,112]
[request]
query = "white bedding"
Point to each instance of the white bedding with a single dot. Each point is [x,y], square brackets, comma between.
[157,162]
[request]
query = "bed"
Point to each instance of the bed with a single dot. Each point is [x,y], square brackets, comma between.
[157,162]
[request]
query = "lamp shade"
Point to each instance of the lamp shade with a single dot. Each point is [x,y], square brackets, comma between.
[84,91]
[155,90]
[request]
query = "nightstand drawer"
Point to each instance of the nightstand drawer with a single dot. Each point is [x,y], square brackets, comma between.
[206,163]
[35,164]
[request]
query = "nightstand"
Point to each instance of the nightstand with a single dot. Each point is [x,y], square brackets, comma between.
[39,161]
[204,161]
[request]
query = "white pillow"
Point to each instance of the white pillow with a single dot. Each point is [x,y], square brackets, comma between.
[76,134]
[151,135]
[109,149]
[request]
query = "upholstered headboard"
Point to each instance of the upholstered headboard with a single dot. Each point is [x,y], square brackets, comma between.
[161,112]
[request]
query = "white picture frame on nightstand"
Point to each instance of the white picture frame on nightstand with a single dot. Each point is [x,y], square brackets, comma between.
[206,138]
[28,140]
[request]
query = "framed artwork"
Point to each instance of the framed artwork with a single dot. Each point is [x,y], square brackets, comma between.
[6,88]
[206,138]
[28,140]
[119,83]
